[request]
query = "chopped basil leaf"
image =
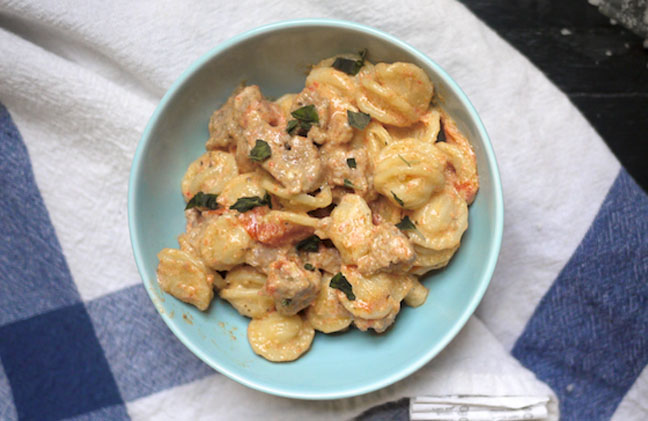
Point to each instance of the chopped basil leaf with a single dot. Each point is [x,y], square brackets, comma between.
[351,162]
[291,126]
[406,224]
[397,199]
[203,200]
[310,267]
[441,137]
[306,114]
[305,117]
[341,283]
[348,66]
[348,183]
[261,151]
[286,302]
[244,204]
[358,120]
[404,160]
[309,244]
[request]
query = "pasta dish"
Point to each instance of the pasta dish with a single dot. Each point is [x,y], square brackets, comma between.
[319,210]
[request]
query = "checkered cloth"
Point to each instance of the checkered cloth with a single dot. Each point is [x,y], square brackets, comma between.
[79,337]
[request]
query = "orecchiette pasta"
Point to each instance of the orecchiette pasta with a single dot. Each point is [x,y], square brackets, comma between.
[377,299]
[441,221]
[323,205]
[429,259]
[417,295]
[397,94]
[375,296]
[376,138]
[326,313]
[351,228]
[425,130]
[280,338]
[408,172]
[339,84]
[300,201]
[224,242]
[209,174]
[244,185]
[462,170]
[186,277]
[296,218]
[188,241]
[243,288]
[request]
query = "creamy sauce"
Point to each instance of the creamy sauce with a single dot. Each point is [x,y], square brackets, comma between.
[322,207]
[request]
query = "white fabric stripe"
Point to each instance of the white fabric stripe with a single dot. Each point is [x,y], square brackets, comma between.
[81,131]
[634,406]
[473,364]
[63,42]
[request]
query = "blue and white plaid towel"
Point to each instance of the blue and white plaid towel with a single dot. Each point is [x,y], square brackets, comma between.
[79,338]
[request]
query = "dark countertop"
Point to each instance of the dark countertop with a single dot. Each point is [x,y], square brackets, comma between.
[603,68]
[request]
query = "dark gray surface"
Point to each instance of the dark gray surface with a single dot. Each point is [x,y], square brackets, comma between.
[390,411]
[602,67]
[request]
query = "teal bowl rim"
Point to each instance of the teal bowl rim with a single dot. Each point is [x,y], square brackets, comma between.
[490,155]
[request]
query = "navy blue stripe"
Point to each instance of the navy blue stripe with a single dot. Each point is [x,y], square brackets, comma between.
[144,355]
[34,276]
[588,338]
[49,351]
[108,413]
[55,366]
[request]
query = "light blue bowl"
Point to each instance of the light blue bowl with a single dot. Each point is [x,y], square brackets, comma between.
[276,57]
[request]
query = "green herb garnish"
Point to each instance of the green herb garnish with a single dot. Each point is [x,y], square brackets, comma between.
[441,137]
[261,151]
[309,244]
[286,302]
[404,160]
[348,183]
[348,66]
[203,200]
[341,283]
[397,199]
[406,224]
[310,267]
[244,204]
[291,126]
[351,162]
[307,113]
[358,120]
[306,116]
